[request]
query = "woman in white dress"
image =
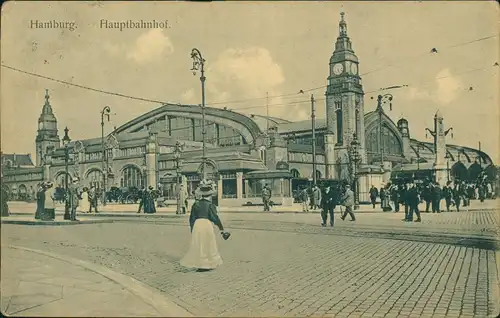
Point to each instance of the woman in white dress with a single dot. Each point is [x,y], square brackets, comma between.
[203,253]
[84,205]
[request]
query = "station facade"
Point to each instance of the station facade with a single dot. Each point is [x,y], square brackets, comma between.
[242,153]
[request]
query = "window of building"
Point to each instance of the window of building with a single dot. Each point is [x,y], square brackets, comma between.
[340,136]
[95,179]
[132,177]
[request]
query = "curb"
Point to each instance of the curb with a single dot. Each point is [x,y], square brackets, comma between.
[172,215]
[146,293]
[53,223]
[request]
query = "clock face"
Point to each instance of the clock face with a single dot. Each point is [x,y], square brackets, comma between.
[338,69]
[354,68]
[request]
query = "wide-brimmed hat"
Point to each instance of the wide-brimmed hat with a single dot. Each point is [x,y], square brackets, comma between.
[75,179]
[205,189]
[49,184]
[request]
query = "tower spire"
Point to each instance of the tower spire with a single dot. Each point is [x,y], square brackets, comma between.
[47,109]
[342,25]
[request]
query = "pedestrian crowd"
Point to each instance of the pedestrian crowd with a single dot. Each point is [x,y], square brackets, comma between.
[327,198]
[410,194]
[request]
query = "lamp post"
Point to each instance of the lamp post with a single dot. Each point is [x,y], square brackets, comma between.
[313,124]
[104,113]
[355,159]
[447,157]
[381,100]
[199,64]
[177,157]
[66,140]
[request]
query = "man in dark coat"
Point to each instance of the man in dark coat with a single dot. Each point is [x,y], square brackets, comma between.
[436,198]
[448,194]
[404,198]
[412,200]
[328,203]
[73,199]
[40,201]
[141,199]
[457,195]
[4,198]
[373,195]
[395,197]
[93,199]
[427,196]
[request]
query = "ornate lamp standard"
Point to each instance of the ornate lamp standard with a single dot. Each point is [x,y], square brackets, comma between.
[104,112]
[313,124]
[447,157]
[177,157]
[66,140]
[199,64]
[382,100]
[355,158]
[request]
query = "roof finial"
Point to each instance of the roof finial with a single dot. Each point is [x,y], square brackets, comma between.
[342,24]
[47,96]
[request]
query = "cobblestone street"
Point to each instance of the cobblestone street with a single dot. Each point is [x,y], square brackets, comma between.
[286,264]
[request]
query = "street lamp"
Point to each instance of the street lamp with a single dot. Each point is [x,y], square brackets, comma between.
[66,140]
[447,157]
[355,158]
[199,64]
[381,100]
[313,124]
[104,113]
[177,157]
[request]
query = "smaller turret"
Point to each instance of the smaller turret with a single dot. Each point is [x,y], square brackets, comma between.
[47,131]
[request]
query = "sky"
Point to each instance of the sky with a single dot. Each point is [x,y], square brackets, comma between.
[250,48]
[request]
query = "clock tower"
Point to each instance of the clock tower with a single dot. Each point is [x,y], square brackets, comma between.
[47,131]
[344,105]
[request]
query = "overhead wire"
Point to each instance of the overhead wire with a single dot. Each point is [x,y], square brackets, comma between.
[289,95]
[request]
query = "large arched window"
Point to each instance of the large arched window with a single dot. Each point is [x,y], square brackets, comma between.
[389,142]
[132,177]
[459,171]
[94,178]
[474,171]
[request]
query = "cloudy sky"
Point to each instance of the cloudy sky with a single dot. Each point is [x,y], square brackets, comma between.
[250,48]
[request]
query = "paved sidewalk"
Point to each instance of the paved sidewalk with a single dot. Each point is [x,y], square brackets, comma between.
[29,220]
[33,284]
[24,208]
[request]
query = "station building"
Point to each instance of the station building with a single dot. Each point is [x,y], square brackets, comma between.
[242,153]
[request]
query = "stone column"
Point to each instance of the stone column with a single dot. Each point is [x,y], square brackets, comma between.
[239,185]
[46,172]
[387,168]
[281,187]
[329,156]
[219,190]
[440,150]
[151,149]
[247,188]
